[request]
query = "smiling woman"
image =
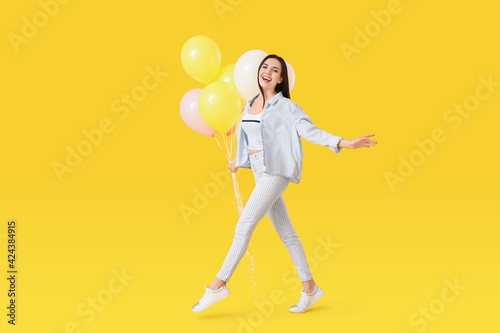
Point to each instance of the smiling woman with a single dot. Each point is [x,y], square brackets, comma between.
[269,144]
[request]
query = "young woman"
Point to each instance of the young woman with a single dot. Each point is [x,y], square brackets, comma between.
[269,143]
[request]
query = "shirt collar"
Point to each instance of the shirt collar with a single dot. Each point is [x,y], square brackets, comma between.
[273,100]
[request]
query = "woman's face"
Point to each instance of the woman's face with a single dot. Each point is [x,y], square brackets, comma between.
[270,74]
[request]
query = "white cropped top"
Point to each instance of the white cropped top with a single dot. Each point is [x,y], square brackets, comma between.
[251,125]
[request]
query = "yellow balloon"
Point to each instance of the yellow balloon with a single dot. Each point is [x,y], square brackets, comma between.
[220,105]
[226,74]
[201,58]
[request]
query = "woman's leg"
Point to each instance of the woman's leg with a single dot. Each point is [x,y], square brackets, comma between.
[217,283]
[267,189]
[278,214]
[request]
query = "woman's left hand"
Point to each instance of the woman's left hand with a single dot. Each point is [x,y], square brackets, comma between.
[362,141]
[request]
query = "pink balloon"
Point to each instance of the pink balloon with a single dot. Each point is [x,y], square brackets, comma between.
[191,114]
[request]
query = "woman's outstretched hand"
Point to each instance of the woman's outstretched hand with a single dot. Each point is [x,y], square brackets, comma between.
[360,142]
[232,166]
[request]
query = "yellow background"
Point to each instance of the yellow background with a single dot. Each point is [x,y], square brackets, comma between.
[119,209]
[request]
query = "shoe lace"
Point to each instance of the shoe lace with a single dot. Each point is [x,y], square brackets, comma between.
[302,301]
[204,296]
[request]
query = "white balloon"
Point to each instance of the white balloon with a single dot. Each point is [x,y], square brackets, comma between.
[245,73]
[291,75]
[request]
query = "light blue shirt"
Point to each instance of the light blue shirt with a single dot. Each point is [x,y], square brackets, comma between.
[283,122]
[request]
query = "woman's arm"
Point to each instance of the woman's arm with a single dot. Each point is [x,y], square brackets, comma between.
[313,133]
[344,143]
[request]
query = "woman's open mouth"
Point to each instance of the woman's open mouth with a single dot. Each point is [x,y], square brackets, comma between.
[266,79]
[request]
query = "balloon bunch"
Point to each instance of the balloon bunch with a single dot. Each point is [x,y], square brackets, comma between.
[218,107]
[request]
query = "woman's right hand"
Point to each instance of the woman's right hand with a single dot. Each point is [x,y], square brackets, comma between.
[232,166]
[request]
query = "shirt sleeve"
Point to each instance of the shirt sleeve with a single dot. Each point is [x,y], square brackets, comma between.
[313,133]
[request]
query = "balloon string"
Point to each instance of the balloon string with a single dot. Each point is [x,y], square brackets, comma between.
[231,145]
[221,148]
[251,268]
[217,141]
[239,201]
[237,195]
[228,153]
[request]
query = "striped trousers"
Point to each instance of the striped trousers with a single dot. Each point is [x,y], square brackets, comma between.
[266,198]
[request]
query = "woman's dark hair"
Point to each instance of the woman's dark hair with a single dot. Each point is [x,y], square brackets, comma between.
[283,86]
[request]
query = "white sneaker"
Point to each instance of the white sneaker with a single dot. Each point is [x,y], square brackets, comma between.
[210,297]
[306,300]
